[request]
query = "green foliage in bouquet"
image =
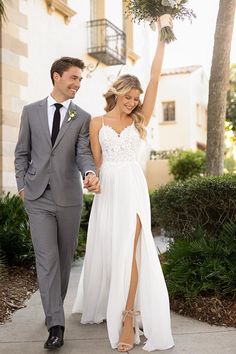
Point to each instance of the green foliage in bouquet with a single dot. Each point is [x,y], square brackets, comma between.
[150,10]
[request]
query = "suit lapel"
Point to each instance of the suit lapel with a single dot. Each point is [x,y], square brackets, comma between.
[65,125]
[43,114]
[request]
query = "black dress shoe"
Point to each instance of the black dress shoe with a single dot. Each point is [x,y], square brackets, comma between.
[55,339]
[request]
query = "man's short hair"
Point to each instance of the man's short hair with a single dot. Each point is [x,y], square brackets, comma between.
[63,64]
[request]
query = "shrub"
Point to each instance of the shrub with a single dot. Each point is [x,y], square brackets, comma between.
[203,265]
[207,203]
[87,204]
[154,209]
[15,240]
[2,266]
[186,164]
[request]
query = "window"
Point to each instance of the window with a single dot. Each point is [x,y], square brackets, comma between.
[168,111]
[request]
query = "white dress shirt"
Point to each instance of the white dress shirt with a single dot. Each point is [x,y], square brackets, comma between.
[52,108]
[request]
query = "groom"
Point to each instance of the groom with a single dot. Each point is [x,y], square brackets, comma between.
[52,148]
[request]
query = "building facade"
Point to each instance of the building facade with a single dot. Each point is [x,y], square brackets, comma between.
[180,116]
[179,120]
[36,32]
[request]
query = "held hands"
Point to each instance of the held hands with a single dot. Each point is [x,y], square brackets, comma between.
[92,183]
[22,195]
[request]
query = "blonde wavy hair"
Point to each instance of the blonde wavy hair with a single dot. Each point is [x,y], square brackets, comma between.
[120,87]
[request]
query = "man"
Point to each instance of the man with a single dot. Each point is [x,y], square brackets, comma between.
[52,148]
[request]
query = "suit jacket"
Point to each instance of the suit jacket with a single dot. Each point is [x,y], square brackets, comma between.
[37,163]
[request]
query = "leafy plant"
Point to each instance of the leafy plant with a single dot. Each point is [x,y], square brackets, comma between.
[15,240]
[186,164]
[87,205]
[2,266]
[203,265]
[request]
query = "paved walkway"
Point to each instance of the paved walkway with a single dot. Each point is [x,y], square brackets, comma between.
[26,333]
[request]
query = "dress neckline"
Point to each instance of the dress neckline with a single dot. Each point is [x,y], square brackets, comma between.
[116,132]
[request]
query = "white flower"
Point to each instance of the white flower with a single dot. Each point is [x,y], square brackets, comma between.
[72,115]
[152,25]
[171,3]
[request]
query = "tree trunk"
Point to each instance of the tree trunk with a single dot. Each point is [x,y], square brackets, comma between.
[218,86]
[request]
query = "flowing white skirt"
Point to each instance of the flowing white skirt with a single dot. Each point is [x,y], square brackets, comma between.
[105,279]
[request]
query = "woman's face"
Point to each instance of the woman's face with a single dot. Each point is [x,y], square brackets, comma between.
[128,101]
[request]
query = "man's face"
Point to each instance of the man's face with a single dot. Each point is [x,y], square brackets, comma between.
[68,84]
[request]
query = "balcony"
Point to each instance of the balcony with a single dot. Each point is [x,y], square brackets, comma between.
[106,42]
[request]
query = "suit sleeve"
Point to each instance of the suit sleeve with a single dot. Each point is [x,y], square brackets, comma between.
[23,150]
[84,157]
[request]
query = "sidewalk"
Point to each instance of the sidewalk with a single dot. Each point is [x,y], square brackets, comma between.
[27,333]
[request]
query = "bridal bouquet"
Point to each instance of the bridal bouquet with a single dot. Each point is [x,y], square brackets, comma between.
[151,10]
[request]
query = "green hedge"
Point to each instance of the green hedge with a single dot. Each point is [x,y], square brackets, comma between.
[206,203]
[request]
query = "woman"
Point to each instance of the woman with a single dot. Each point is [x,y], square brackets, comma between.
[122,280]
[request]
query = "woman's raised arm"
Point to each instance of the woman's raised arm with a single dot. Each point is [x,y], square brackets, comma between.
[151,91]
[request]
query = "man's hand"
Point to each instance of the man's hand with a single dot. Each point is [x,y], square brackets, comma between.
[22,195]
[92,183]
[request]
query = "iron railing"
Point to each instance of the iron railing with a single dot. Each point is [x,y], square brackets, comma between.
[106,42]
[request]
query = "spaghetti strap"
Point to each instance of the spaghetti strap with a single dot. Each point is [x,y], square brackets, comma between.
[102,120]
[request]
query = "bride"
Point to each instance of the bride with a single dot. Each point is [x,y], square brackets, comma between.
[122,280]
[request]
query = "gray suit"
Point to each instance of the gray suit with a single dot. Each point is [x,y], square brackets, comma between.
[54,213]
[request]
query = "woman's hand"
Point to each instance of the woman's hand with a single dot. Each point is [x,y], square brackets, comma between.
[92,183]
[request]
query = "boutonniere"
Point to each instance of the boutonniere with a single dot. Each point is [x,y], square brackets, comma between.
[72,115]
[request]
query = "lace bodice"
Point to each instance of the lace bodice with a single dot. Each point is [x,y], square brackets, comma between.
[119,147]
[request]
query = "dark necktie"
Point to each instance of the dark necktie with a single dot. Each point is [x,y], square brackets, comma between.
[56,122]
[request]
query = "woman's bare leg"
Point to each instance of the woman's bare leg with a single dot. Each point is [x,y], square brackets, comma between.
[127,335]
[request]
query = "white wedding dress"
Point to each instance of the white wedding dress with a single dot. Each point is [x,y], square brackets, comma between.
[105,279]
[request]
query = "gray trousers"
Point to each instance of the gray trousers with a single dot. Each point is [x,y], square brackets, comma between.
[54,232]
